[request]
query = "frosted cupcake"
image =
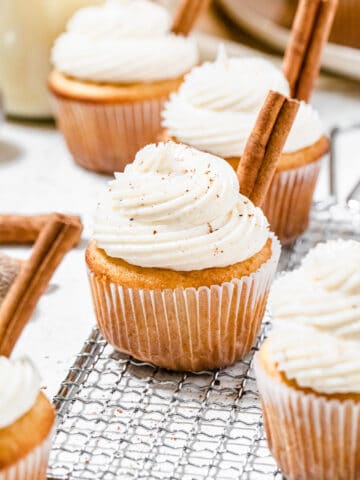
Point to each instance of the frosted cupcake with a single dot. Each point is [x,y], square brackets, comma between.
[308,370]
[26,422]
[181,262]
[113,69]
[215,111]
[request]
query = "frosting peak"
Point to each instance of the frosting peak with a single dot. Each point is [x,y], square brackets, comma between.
[216,107]
[335,266]
[316,339]
[123,41]
[177,208]
[19,387]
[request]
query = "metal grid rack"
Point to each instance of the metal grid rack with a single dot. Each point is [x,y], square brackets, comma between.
[120,418]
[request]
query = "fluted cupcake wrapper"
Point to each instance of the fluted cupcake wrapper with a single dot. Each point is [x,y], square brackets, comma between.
[288,201]
[104,137]
[311,437]
[32,466]
[185,328]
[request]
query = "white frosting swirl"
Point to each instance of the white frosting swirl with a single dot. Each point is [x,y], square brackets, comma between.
[335,266]
[317,360]
[177,208]
[216,107]
[316,310]
[19,387]
[123,41]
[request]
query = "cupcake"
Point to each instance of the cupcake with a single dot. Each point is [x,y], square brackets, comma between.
[215,110]
[114,67]
[26,422]
[181,262]
[308,370]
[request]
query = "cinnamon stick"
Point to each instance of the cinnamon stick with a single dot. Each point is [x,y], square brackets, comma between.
[54,241]
[310,32]
[22,229]
[187,14]
[264,146]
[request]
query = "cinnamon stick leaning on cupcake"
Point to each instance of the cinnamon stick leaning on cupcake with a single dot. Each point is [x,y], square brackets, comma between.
[27,418]
[308,370]
[114,67]
[309,33]
[181,262]
[216,108]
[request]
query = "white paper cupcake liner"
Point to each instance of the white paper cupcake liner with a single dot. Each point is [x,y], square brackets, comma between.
[32,466]
[185,328]
[311,437]
[288,201]
[104,137]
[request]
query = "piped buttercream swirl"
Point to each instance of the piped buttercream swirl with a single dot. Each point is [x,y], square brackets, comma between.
[316,339]
[317,360]
[335,266]
[19,387]
[216,107]
[123,41]
[178,208]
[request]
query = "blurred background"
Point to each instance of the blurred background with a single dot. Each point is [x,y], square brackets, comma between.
[246,27]
[29,28]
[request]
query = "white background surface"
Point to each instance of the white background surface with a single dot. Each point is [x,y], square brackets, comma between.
[38,175]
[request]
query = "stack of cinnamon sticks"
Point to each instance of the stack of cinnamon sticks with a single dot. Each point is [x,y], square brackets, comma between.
[187,14]
[54,236]
[309,34]
[264,146]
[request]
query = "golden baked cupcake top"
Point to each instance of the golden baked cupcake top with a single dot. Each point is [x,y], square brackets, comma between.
[123,41]
[316,338]
[178,208]
[216,107]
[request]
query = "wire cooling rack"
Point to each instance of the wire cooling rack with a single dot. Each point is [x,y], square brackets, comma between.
[119,418]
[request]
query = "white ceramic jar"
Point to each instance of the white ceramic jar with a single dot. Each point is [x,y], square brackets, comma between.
[28,29]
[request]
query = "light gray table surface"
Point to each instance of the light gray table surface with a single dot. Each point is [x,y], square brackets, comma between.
[37,174]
